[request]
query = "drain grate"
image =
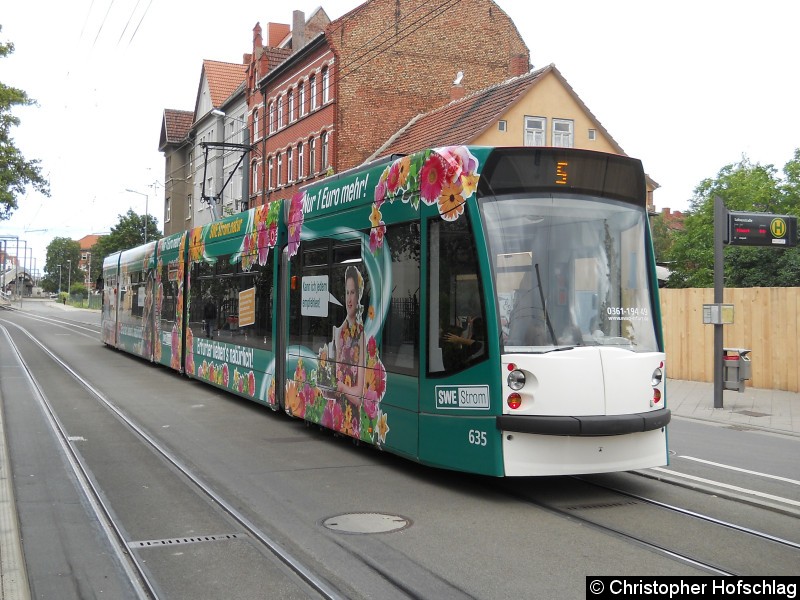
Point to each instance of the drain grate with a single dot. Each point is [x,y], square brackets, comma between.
[198,539]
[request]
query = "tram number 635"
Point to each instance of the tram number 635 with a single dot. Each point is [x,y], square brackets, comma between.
[477,437]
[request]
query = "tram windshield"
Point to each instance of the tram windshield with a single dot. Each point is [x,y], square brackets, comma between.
[569,271]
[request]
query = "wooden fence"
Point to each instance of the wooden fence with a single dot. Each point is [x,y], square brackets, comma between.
[765,322]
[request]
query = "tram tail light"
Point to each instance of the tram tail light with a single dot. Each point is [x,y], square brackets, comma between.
[655,381]
[514,400]
[656,396]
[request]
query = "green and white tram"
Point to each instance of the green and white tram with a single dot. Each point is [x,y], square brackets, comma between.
[490,310]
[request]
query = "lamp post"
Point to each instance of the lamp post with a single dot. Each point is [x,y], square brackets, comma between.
[59,280]
[69,276]
[146,210]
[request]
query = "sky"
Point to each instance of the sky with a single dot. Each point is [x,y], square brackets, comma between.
[687,87]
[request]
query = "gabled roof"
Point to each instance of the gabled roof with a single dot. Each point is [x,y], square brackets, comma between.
[223,79]
[177,124]
[87,241]
[175,127]
[462,121]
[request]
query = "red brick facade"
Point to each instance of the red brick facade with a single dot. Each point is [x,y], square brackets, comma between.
[386,61]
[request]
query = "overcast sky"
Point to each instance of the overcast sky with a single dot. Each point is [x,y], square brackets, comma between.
[688,87]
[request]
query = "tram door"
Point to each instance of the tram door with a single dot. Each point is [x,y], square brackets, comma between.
[281,341]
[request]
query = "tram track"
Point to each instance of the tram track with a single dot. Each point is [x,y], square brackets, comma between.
[676,532]
[126,549]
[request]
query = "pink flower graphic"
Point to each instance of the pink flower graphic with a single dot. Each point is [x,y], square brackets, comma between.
[432,178]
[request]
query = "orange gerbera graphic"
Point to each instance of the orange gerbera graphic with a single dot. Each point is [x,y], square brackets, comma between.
[451,202]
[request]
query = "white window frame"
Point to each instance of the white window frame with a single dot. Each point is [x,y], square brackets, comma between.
[562,139]
[302,98]
[289,164]
[270,174]
[189,206]
[324,143]
[326,85]
[272,117]
[534,135]
[279,169]
[300,161]
[280,112]
[592,135]
[312,156]
[167,210]
[291,105]
[313,91]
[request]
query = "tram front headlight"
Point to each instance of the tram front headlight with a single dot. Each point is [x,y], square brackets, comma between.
[516,380]
[658,376]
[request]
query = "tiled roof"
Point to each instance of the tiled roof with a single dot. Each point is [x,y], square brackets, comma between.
[276,56]
[462,121]
[177,124]
[87,241]
[223,79]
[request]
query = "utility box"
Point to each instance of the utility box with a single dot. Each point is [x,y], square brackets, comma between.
[736,368]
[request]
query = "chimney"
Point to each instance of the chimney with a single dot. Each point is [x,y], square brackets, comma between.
[298,30]
[275,33]
[518,65]
[257,40]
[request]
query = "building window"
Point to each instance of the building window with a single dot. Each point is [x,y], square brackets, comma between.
[291,106]
[272,117]
[300,172]
[269,171]
[502,125]
[280,169]
[535,131]
[562,133]
[280,112]
[301,88]
[312,156]
[323,140]
[188,207]
[256,131]
[313,91]
[592,135]
[289,165]
[167,210]
[326,85]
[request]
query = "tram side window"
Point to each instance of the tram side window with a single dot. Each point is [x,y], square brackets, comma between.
[457,317]
[220,286]
[169,291]
[400,339]
[320,271]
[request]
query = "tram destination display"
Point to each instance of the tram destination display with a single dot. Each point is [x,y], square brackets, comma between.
[761,229]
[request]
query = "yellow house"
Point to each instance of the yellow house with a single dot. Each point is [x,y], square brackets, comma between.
[536,109]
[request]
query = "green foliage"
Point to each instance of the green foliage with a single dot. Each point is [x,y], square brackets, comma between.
[128,233]
[61,264]
[16,173]
[748,187]
[78,289]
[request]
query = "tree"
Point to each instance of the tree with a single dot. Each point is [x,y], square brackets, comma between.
[61,264]
[746,187]
[128,233]
[16,173]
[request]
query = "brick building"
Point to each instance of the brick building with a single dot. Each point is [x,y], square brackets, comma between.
[343,92]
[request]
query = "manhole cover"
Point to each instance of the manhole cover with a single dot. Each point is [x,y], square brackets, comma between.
[366,523]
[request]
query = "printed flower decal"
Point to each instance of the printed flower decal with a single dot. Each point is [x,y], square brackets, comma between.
[295,223]
[446,177]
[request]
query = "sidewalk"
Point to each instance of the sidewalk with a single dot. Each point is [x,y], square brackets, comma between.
[756,408]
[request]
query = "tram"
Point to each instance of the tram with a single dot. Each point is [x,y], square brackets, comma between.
[488,310]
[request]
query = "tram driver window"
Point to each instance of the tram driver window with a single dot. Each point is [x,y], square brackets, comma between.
[457,318]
